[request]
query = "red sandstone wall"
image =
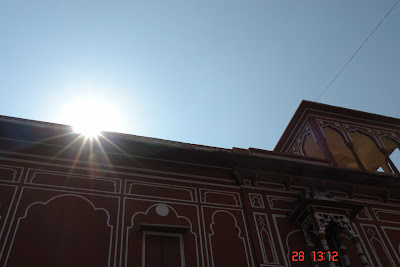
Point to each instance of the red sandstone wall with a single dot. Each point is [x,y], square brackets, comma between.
[52,217]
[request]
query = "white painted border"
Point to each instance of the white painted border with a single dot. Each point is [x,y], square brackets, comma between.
[274,216]
[9,209]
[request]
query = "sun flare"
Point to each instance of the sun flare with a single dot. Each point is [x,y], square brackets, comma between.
[91,116]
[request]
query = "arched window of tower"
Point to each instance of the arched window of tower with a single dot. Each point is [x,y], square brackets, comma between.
[342,154]
[369,153]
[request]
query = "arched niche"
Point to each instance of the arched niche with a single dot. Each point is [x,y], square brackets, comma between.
[342,154]
[311,148]
[368,152]
[227,244]
[393,148]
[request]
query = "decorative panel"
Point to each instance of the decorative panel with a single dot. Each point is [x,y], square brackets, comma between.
[164,191]
[65,180]
[256,200]
[216,197]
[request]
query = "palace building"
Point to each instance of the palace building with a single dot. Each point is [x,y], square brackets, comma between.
[328,195]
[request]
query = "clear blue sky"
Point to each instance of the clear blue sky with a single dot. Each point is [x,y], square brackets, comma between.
[219,73]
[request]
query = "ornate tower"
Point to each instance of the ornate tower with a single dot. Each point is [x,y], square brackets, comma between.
[347,138]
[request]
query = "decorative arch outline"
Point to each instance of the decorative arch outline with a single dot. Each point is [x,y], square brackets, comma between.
[365,132]
[47,202]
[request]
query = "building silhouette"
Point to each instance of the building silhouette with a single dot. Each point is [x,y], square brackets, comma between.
[328,195]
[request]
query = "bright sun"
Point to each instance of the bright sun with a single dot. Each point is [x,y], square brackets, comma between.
[91,116]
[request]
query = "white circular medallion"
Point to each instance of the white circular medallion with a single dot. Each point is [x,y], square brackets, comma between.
[162,210]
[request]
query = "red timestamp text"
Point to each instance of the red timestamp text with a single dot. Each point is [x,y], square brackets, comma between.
[316,256]
[298,256]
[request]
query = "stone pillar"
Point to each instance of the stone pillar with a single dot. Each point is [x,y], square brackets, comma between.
[320,232]
[343,251]
[305,226]
[357,244]
[325,247]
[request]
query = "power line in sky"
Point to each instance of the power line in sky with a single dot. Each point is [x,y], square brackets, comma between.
[355,53]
